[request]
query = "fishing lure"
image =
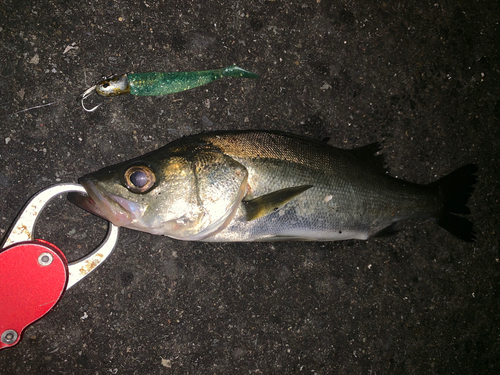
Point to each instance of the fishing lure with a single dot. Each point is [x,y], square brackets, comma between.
[155,84]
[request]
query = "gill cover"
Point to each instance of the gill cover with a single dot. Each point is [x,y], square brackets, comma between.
[218,185]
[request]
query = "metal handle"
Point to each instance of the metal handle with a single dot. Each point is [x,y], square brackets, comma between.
[23,228]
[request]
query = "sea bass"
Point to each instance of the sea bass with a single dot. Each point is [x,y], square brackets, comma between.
[228,186]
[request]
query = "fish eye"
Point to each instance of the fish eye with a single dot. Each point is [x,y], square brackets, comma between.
[139,179]
[105,84]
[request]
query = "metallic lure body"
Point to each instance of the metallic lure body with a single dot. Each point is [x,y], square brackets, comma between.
[155,84]
[263,186]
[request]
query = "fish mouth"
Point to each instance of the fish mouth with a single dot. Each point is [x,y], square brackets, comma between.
[109,207]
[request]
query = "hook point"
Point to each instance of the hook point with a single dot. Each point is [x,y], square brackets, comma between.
[85,95]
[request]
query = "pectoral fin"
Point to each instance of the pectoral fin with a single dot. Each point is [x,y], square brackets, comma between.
[265,204]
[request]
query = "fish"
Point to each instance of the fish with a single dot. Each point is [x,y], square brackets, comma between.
[254,185]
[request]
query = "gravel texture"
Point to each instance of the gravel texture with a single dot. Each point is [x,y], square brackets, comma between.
[420,77]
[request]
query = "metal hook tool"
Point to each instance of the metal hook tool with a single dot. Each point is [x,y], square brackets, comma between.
[34,274]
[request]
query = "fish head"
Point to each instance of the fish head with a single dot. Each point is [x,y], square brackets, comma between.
[182,196]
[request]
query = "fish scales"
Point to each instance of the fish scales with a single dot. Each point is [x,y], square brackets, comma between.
[362,201]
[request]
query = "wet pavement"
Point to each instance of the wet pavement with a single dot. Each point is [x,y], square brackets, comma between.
[422,79]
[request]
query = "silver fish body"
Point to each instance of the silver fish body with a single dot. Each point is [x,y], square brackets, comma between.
[263,186]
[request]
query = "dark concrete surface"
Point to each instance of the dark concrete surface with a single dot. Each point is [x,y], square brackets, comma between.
[420,77]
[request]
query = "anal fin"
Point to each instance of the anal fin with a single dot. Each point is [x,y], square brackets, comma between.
[265,204]
[386,232]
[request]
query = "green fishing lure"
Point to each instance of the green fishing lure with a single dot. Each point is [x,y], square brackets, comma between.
[156,84]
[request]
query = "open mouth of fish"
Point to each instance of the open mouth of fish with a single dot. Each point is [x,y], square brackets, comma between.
[117,210]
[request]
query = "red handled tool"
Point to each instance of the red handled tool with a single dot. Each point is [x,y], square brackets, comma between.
[34,274]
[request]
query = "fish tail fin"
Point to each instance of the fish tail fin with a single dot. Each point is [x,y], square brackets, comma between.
[236,71]
[456,188]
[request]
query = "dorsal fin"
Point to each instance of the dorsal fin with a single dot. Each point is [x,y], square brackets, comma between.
[265,204]
[369,155]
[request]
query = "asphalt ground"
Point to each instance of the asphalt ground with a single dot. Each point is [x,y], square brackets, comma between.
[420,77]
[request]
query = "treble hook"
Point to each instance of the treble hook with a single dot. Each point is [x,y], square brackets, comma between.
[85,95]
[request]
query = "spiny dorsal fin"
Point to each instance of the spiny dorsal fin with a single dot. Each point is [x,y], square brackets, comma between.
[369,155]
[265,204]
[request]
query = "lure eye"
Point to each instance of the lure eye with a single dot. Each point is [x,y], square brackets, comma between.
[139,179]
